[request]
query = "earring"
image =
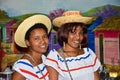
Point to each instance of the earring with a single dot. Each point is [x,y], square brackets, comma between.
[63,45]
[80,46]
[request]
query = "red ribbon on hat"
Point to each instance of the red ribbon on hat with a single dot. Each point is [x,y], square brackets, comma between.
[70,13]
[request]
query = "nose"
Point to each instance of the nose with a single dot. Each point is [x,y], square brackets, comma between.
[42,40]
[77,36]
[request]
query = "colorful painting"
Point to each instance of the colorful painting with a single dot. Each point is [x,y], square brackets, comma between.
[107,37]
[105,43]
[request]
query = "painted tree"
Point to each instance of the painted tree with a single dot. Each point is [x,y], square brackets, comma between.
[55,13]
[3,14]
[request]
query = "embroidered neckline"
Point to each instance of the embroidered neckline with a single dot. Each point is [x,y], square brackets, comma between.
[70,59]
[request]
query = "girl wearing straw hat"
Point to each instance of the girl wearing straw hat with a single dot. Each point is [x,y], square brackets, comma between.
[72,61]
[32,34]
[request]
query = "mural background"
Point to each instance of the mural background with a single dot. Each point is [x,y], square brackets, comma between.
[18,7]
[13,12]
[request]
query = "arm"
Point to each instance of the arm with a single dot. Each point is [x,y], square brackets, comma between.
[17,76]
[96,76]
[53,74]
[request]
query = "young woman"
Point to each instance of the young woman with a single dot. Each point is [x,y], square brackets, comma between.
[32,34]
[71,61]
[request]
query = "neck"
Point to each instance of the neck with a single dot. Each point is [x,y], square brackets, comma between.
[35,55]
[72,52]
[36,58]
[69,49]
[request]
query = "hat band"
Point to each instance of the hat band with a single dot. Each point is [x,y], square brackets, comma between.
[75,13]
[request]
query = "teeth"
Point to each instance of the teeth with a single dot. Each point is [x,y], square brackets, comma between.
[76,41]
[43,46]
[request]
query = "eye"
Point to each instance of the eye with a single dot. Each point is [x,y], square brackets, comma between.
[36,38]
[45,36]
[81,33]
[73,32]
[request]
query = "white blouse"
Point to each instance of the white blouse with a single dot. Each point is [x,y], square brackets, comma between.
[24,67]
[82,67]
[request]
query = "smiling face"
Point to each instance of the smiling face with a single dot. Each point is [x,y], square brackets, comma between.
[38,41]
[75,38]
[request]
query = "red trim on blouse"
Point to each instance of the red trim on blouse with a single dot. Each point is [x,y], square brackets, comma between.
[74,68]
[28,72]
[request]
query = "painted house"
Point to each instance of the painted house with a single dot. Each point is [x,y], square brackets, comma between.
[3,32]
[6,34]
[53,42]
[10,31]
[91,35]
[107,41]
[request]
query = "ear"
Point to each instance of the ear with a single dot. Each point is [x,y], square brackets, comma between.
[27,42]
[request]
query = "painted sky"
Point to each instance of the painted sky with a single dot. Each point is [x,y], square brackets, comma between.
[19,7]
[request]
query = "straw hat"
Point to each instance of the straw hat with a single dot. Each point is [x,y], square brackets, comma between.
[71,16]
[27,24]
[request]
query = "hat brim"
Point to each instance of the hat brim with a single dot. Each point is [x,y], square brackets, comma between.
[69,19]
[27,24]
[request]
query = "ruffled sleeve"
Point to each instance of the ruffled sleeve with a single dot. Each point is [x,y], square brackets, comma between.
[94,60]
[25,68]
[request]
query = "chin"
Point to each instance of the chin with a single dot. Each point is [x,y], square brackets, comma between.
[77,47]
[43,51]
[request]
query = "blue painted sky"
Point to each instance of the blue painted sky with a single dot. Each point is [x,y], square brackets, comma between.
[19,7]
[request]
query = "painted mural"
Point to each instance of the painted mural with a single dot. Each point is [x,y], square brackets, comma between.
[103,33]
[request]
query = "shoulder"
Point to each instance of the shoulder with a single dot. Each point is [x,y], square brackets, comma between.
[88,50]
[43,58]
[22,63]
[53,52]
